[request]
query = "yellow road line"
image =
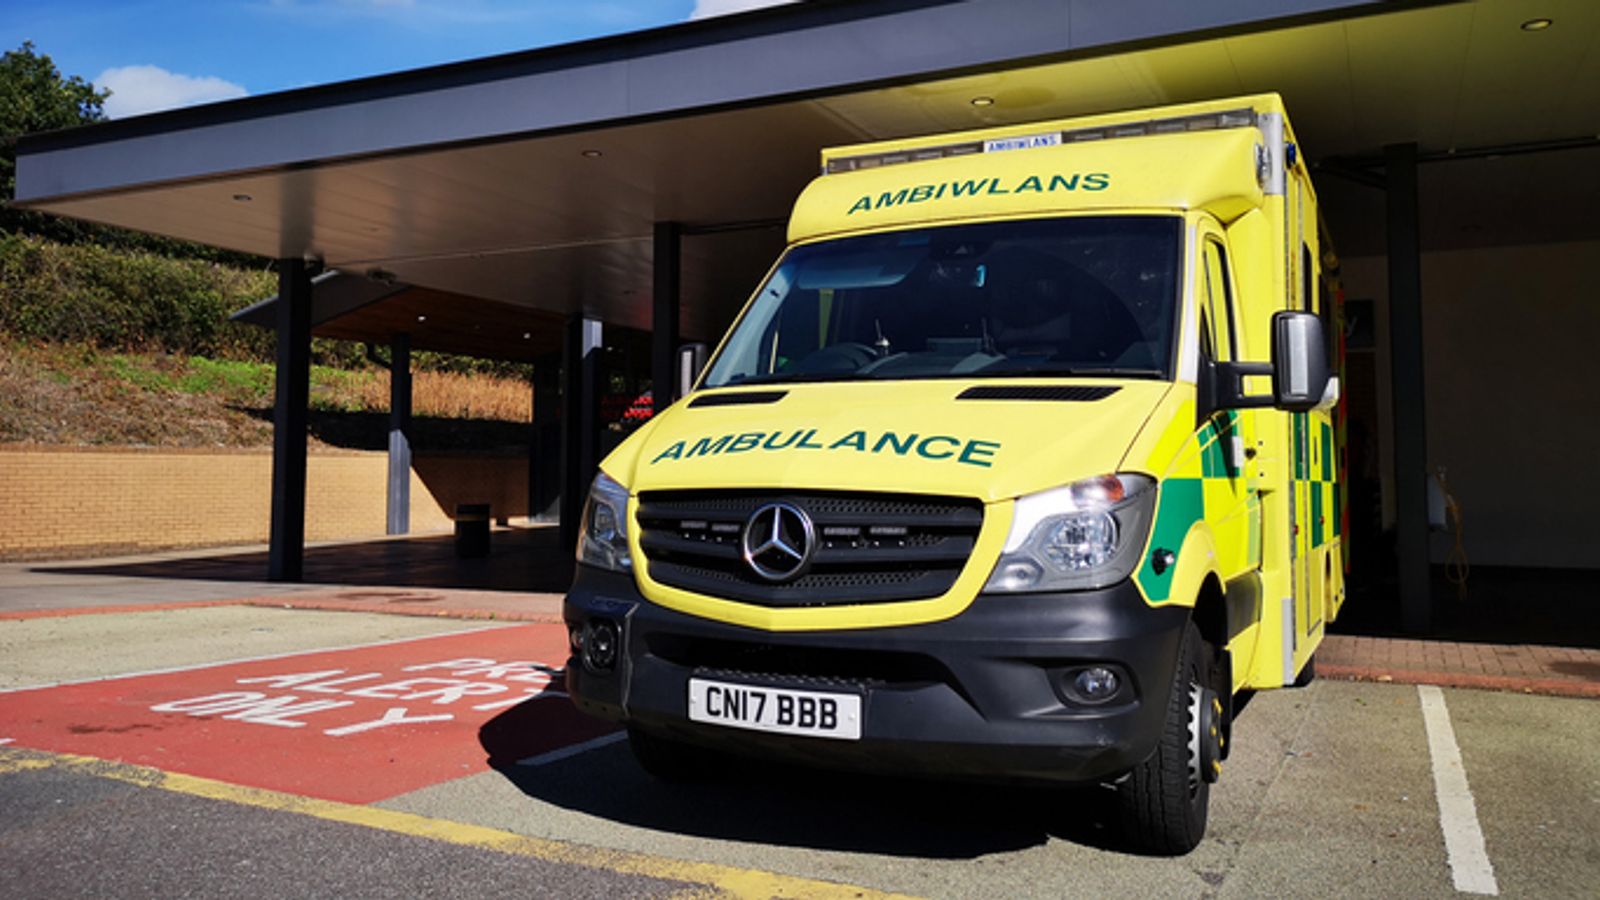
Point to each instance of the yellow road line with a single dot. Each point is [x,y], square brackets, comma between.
[710,879]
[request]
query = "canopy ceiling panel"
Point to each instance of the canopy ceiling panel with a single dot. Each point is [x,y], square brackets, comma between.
[536,179]
[451,323]
[1445,76]
[527,194]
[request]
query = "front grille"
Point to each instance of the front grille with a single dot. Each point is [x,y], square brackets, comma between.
[796,682]
[798,666]
[872,548]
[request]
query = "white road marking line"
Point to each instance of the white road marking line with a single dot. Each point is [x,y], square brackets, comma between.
[4,741]
[566,752]
[250,659]
[1458,814]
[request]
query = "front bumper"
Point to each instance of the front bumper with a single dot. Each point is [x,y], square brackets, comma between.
[984,695]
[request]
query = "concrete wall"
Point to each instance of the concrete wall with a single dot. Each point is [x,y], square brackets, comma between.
[68,502]
[1510,340]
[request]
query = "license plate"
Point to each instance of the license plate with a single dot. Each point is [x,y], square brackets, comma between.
[780,710]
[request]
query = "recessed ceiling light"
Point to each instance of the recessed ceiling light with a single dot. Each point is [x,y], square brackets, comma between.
[982,101]
[243,198]
[422,318]
[592,154]
[526,335]
[1537,24]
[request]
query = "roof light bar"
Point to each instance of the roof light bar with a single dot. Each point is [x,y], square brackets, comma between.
[1234,118]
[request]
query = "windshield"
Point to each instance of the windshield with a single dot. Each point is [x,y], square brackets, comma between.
[1073,296]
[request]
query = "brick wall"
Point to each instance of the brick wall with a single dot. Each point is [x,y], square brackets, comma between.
[69,502]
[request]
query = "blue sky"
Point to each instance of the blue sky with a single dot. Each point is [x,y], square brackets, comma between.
[156,54]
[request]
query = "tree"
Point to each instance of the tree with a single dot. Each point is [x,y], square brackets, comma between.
[34,96]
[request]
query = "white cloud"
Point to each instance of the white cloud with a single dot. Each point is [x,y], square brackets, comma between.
[143,89]
[705,9]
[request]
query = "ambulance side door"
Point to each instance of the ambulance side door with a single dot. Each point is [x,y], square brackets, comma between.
[1233,509]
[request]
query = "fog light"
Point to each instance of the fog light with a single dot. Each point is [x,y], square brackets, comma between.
[600,645]
[1097,684]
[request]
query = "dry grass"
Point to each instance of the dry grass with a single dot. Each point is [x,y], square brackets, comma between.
[67,394]
[51,394]
[451,396]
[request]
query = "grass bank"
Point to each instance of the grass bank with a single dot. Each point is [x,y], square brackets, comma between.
[74,394]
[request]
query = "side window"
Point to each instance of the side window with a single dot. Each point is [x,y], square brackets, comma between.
[1329,312]
[1308,293]
[1219,303]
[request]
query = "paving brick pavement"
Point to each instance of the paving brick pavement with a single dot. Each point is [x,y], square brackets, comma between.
[1526,668]
[508,606]
[421,576]
[512,606]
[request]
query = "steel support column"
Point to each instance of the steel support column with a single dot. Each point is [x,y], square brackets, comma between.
[399,503]
[668,263]
[286,546]
[1408,386]
[544,450]
[581,396]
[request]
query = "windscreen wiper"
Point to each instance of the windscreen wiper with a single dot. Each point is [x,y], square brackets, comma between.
[1068,372]
[786,378]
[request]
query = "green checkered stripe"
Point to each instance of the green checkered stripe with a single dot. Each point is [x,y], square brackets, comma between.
[1180,504]
[1182,500]
[1322,480]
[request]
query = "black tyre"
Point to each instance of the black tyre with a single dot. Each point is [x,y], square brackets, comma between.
[1162,803]
[1307,674]
[670,760]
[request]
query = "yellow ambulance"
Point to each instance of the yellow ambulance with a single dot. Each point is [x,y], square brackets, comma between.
[1020,465]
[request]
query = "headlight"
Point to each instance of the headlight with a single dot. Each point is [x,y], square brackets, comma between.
[1085,535]
[603,530]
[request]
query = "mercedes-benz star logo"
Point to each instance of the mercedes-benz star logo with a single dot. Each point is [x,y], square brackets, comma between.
[778,541]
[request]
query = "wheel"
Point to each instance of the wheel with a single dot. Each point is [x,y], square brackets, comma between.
[1308,673]
[669,760]
[1162,803]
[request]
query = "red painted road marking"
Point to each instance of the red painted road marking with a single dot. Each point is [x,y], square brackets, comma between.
[65,612]
[526,608]
[355,725]
[192,667]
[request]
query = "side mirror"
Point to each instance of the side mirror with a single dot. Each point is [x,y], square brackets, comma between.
[691,361]
[1299,361]
[1299,371]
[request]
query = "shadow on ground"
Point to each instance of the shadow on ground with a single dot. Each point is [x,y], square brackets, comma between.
[521,559]
[796,807]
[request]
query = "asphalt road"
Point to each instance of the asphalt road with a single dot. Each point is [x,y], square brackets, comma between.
[1331,791]
[74,833]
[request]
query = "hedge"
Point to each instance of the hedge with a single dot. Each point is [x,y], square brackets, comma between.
[135,301]
[128,300]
